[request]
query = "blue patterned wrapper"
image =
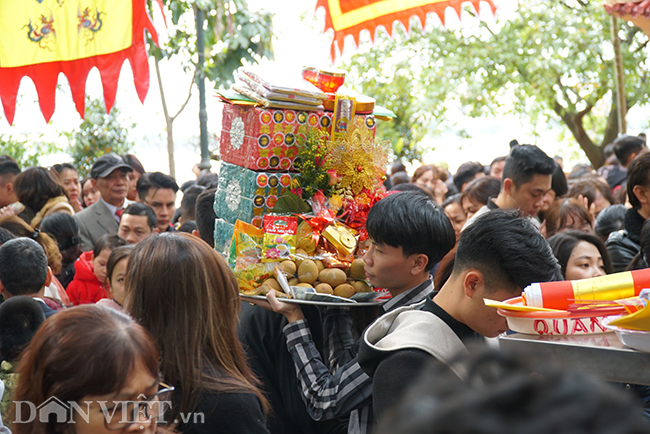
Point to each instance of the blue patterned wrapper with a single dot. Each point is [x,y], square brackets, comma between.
[247,195]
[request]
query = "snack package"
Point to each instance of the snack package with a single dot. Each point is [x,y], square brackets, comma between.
[304,237]
[279,238]
[245,250]
[245,257]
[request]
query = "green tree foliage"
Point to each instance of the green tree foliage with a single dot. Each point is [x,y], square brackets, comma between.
[98,134]
[233,35]
[25,152]
[551,61]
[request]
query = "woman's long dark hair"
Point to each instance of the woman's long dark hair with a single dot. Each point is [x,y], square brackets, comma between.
[183,292]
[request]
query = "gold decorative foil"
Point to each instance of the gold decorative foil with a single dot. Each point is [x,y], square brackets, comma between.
[341,238]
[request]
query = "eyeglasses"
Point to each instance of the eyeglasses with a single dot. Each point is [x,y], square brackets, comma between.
[126,413]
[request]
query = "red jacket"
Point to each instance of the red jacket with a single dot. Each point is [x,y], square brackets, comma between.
[85,288]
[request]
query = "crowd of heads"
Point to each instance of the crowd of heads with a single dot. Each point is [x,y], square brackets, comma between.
[103,278]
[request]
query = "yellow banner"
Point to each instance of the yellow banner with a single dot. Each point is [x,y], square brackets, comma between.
[368,12]
[40,31]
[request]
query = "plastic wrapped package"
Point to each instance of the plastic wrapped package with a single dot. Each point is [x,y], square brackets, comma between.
[279,81]
[222,236]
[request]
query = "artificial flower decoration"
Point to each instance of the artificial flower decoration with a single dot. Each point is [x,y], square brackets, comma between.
[358,161]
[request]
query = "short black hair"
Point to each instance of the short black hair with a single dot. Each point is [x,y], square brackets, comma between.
[412,188]
[188,203]
[563,244]
[140,209]
[397,167]
[608,150]
[188,227]
[638,174]
[8,166]
[641,259]
[413,222]
[187,184]
[205,215]
[454,198]
[399,178]
[526,161]
[512,393]
[64,228]
[497,160]
[610,220]
[23,266]
[625,146]
[208,180]
[155,180]
[466,172]
[558,181]
[6,235]
[509,251]
[20,318]
[108,241]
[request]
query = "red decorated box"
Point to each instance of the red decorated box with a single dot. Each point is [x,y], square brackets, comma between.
[265,139]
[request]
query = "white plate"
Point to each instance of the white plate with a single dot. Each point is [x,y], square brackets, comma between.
[637,339]
[333,301]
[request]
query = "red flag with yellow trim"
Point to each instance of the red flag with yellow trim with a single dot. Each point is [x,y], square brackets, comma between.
[42,38]
[350,17]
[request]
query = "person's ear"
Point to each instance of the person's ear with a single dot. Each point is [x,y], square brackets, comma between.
[10,188]
[473,283]
[631,158]
[640,193]
[508,186]
[93,182]
[49,276]
[195,232]
[420,262]
[2,289]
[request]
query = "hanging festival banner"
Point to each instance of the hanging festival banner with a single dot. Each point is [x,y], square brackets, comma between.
[350,17]
[635,11]
[41,38]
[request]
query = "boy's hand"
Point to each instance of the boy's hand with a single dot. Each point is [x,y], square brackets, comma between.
[291,311]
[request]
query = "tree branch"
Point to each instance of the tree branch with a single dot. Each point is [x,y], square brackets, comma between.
[187,100]
[563,88]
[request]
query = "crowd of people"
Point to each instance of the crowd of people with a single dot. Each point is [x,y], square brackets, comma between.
[118,310]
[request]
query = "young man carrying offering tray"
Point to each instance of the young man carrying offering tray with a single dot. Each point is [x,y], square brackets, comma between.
[496,257]
[409,234]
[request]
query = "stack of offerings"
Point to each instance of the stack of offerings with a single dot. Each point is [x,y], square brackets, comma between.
[278,90]
[294,188]
[259,146]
